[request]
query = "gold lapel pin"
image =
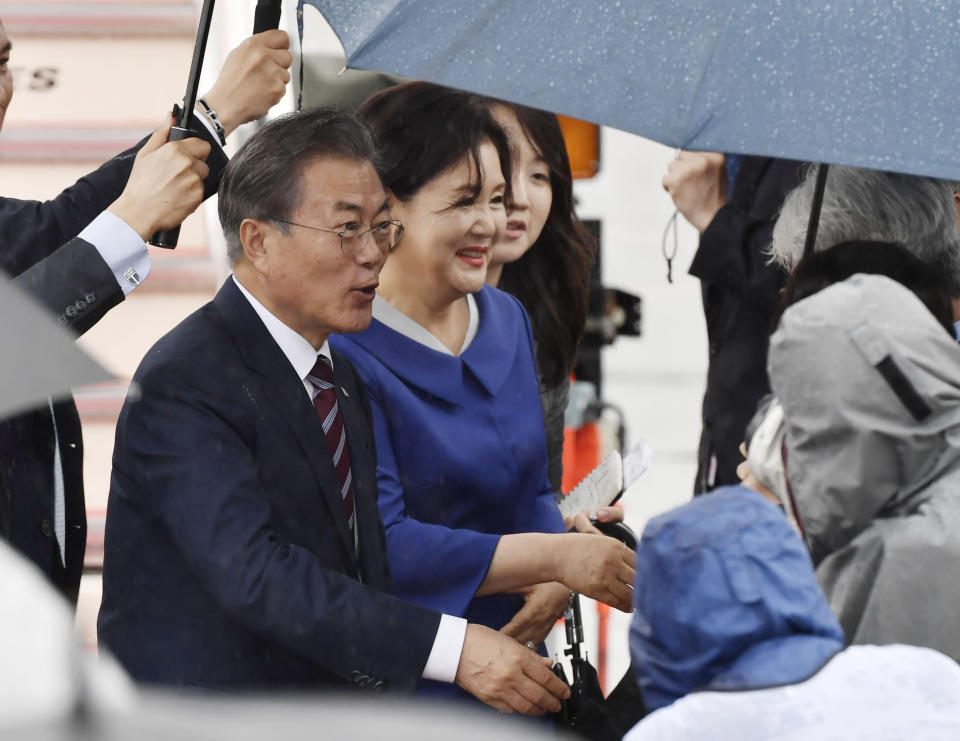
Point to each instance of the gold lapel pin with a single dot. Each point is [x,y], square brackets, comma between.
[344,392]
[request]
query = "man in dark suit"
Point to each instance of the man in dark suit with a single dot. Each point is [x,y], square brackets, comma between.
[733,202]
[80,254]
[244,548]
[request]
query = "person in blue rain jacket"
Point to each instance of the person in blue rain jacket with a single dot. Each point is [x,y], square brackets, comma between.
[732,639]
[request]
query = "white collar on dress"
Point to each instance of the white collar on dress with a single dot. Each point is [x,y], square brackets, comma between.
[387,314]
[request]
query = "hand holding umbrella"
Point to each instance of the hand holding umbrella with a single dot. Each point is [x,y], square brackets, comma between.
[165,184]
[253,79]
[263,56]
[697,183]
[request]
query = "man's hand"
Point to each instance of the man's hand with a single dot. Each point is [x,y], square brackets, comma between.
[598,567]
[697,182]
[253,79]
[500,672]
[543,605]
[165,185]
[580,521]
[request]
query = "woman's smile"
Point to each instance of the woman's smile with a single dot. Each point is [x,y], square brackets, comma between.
[474,256]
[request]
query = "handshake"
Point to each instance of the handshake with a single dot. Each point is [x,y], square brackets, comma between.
[497,667]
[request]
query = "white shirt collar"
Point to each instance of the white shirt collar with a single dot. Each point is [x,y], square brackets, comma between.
[389,315]
[294,346]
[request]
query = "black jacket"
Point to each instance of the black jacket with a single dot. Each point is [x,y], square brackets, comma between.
[40,249]
[740,291]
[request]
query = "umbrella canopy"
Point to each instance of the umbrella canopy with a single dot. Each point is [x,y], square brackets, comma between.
[874,83]
[40,358]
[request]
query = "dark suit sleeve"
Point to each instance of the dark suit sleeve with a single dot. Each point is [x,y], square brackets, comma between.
[32,230]
[196,476]
[75,284]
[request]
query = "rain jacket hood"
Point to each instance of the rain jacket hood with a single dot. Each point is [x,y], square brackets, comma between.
[869,383]
[726,598]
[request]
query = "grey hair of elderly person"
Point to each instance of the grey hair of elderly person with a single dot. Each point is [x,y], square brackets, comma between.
[860,204]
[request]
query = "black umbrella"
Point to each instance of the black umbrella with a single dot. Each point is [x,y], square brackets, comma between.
[587,712]
[819,187]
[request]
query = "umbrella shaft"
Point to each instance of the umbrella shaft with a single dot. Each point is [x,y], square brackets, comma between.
[193,81]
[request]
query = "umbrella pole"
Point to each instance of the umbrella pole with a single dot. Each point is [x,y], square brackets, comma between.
[819,187]
[181,130]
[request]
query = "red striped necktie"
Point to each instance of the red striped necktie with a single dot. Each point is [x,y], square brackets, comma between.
[325,402]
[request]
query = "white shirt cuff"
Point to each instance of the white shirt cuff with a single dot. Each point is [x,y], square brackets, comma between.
[444,657]
[121,248]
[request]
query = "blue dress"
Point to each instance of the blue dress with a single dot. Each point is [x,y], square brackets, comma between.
[461,456]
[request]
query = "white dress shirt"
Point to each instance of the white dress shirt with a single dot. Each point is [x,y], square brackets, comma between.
[444,657]
[121,248]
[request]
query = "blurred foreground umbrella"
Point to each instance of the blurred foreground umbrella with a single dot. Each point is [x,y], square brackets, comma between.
[874,83]
[40,358]
[53,689]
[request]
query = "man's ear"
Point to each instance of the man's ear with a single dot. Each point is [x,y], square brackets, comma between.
[956,205]
[256,237]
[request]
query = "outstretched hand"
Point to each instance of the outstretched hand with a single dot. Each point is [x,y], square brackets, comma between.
[253,79]
[165,185]
[500,672]
[598,567]
[543,605]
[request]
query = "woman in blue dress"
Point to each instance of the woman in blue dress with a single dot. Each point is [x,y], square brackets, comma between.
[470,516]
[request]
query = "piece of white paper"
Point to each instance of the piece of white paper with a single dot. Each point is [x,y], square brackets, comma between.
[603,484]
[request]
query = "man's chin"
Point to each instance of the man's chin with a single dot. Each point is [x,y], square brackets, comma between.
[356,323]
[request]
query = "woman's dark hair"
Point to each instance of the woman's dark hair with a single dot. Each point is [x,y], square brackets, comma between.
[423,129]
[552,279]
[821,269]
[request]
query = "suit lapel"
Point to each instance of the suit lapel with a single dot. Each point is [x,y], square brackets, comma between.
[287,394]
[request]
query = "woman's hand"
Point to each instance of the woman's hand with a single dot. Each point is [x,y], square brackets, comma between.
[580,521]
[543,605]
[597,567]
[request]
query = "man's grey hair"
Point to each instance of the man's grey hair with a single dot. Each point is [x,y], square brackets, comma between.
[262,180]
[916,212]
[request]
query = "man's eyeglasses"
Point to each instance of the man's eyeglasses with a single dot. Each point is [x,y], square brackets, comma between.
[353,237]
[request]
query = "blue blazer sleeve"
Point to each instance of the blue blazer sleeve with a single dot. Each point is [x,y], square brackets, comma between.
[547,517]
[432,565]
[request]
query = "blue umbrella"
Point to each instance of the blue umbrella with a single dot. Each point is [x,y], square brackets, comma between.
[869,83]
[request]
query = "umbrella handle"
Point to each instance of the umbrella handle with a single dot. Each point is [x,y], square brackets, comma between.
[267,15]
[169,237]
